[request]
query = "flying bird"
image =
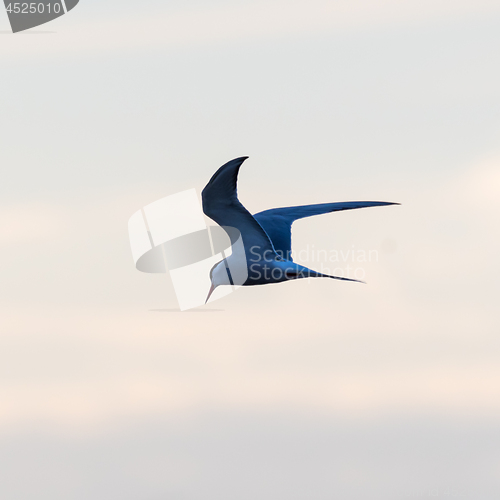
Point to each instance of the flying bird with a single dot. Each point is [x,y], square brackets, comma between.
[266,253]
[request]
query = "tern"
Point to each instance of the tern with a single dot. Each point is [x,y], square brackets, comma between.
[266,250]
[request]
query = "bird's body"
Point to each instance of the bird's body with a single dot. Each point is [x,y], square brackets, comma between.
[265,255]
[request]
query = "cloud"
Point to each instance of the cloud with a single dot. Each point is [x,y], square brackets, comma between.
[30,223]
[164,28]
[479,187]
[88,362]
[85,367]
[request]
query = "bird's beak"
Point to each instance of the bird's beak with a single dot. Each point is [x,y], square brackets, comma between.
[212,288]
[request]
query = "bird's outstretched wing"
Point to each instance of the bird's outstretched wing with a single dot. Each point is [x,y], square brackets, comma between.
[220,203]
[277,222]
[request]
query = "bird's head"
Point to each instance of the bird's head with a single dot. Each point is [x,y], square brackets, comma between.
[218,276]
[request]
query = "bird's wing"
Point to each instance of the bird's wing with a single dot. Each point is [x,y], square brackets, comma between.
[277,222]
[220,203]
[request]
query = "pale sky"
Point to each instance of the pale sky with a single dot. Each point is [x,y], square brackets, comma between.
[305,390]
